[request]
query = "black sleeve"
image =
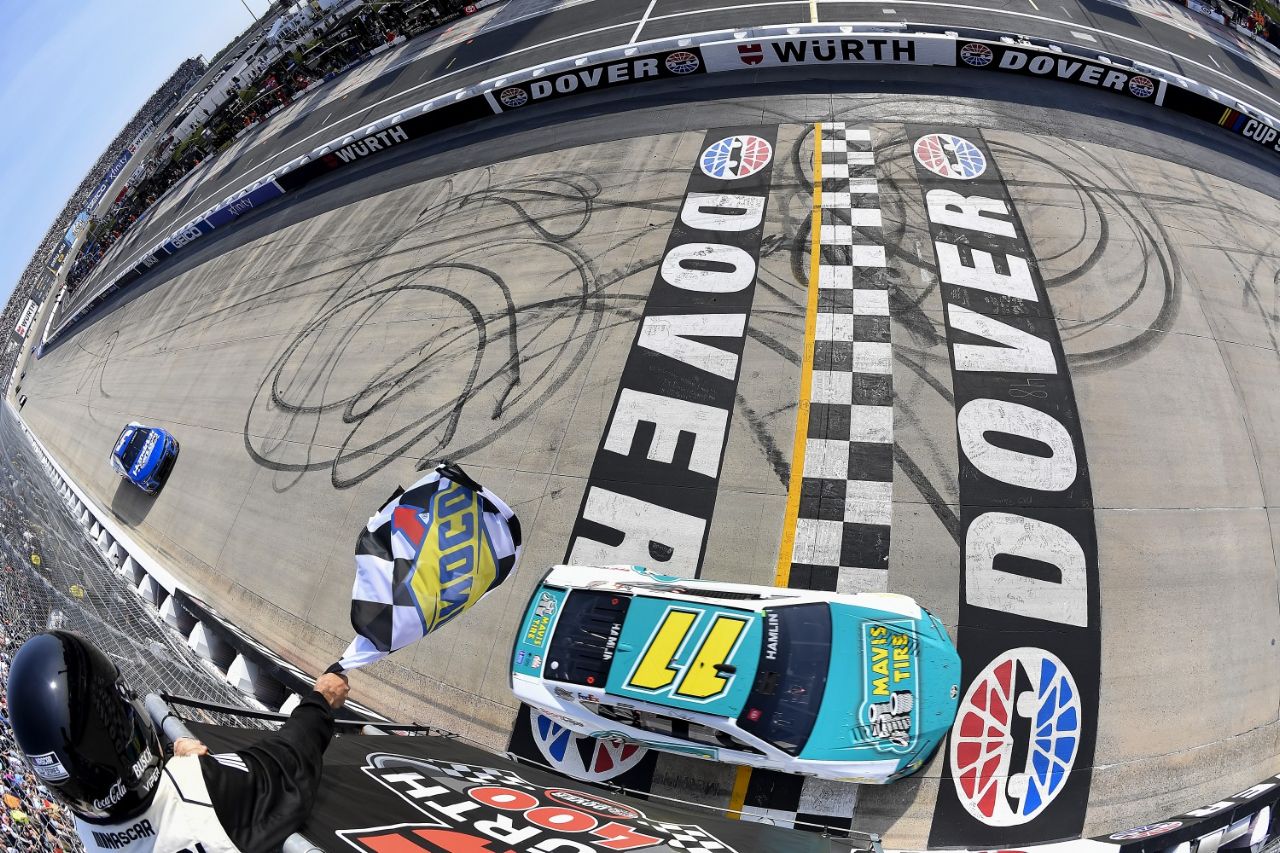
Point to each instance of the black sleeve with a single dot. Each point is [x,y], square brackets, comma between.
[268,795]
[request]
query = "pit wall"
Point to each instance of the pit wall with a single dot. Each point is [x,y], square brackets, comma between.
[712,53]
[1248,819]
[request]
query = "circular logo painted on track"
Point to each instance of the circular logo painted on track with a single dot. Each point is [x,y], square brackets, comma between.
[950,156]
[1142,87]
[977,55]
[1148,831]
[514,97]
[682,62]
[585,758]
[1025,698]
[736,157]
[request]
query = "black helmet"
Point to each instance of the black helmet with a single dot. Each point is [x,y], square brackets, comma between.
[83,730]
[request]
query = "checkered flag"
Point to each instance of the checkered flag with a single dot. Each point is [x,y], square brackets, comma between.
[693,839]
[427,555]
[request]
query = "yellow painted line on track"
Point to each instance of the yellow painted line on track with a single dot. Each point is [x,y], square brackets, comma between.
[783,573]
[813,11]
[739,794]
[743,778]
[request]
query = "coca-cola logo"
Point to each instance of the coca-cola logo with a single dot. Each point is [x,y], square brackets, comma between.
[114,795]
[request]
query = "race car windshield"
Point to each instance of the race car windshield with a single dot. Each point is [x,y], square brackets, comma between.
[792,677]
[134,447]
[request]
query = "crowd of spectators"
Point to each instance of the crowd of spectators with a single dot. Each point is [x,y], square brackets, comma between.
[1257,17]
[345,40]
[30,819]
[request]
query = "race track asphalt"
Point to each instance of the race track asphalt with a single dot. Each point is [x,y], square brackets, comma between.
[475,297]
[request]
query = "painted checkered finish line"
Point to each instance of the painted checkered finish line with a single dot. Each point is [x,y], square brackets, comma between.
[840,506]
[845,507]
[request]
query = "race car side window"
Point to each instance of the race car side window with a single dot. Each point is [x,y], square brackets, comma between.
[661,724]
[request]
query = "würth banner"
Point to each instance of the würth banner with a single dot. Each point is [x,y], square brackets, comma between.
[873,49]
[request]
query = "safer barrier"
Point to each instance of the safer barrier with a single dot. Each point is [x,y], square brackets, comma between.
[710,53]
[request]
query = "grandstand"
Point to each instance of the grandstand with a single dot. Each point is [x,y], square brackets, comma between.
[35,277]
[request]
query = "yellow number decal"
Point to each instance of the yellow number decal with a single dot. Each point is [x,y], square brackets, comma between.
[654,671]
[701,679]
[657,669]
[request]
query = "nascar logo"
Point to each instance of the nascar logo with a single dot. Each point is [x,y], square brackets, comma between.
[736,157]
[950,156]
[1023,705]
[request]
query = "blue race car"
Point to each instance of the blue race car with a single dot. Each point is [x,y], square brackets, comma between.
[857,688]
[144,456]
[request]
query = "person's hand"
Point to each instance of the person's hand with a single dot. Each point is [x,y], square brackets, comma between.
[189,746]
[334,687]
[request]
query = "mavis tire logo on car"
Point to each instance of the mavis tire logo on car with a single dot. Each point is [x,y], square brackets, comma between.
[1025,702]
[977,55]
[736,157]
[145,455]
[950,156]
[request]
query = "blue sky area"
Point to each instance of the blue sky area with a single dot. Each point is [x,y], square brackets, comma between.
[72,73]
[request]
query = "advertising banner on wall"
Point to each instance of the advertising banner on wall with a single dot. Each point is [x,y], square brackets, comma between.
[95,198]
[602,75]
[78,225]
[1033,62]
[244,204]
[56,259]
[1243,821]
[887,49]
[25,319]
[1256,130]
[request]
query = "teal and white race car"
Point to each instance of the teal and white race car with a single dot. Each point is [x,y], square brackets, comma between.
[858,688]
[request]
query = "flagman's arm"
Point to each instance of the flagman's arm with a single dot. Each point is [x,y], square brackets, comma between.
[270,794]
[332,687]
